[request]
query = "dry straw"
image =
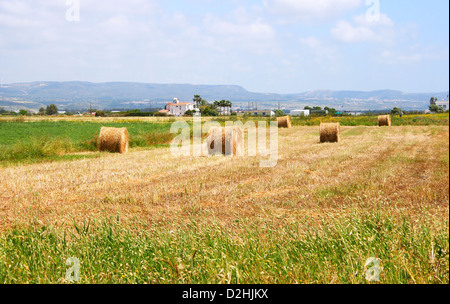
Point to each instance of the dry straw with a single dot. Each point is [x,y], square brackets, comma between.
[284,122]
[231,138]
[330,132]
[113,140]
[384,120]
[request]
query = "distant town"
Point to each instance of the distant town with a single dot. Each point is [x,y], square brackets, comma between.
[198,105]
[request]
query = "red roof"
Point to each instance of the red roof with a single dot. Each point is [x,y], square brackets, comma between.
[180,104]
[164,111]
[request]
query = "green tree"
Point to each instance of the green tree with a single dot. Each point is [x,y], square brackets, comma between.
[23,112]
[436,109]
[199,101]
[397,111]
[308,108]
[207,111]
[41,111]
[331,111]
[51,110]
[223,103]
[433,101]
[279,113]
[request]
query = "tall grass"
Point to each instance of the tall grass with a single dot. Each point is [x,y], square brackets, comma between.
[24,142]
[300,252]
[36,148]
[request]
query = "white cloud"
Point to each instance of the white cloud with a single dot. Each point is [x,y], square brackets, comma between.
[311,41]
[364,30]
[346,32]
[321,52]
[384,20]
[310,11]
[413,54]
[392,57]
[256,30]
[239,29]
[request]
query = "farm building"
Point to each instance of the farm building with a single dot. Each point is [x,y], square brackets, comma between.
[177,108]
[300,113]
[444,104]
[224,110]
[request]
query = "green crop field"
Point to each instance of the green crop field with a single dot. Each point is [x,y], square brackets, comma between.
[406,120]
[60,140]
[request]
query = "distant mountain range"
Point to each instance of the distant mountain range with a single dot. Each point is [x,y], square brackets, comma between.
[76,95]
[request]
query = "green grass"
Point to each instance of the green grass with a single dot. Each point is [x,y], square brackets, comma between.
[28,142]
[409,251]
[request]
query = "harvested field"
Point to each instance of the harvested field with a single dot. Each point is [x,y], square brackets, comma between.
[387,187]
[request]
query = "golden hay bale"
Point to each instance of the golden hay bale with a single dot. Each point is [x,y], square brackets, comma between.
[231,138]
[113,140]
[330,132]
[384,120]
[284,122]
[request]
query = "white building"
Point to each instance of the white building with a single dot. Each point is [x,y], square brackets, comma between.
[300,113]
[177,108]
[444,104]
[224,110]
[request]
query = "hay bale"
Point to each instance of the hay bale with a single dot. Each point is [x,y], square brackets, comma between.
[113,140]
[231,138]
[384,120]
[284,122]
[330,132]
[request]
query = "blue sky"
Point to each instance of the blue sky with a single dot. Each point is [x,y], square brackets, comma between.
[280,46]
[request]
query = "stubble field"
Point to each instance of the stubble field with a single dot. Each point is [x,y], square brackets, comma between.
[316,217]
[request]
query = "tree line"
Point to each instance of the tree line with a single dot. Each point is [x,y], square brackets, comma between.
[206,108]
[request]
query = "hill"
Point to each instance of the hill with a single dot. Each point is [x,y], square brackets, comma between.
[79,95]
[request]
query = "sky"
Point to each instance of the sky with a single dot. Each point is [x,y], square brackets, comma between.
[276,46]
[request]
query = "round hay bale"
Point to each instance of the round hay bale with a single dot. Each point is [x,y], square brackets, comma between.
[284,122]
[231,139]
[113,140]
[330,132]
[384,120]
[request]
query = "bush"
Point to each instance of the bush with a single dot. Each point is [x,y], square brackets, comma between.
[436,109]
[279,113]
[156,114]
[139,114]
